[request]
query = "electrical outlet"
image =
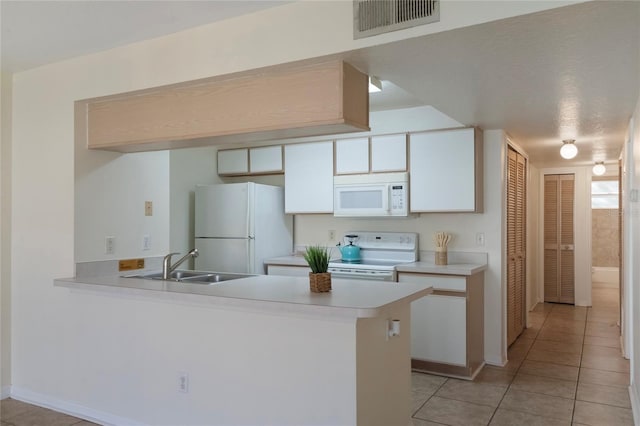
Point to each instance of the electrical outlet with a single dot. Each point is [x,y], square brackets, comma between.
[332,235]
[109,245]
[183,382]
[146,242]
[480,239]
[148,208]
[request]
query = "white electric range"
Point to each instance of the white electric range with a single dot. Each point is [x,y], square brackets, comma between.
[380,252]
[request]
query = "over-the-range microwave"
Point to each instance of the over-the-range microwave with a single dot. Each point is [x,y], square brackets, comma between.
[378,194]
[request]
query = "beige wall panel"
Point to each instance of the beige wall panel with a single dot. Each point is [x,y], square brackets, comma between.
[267,104]
[605,237]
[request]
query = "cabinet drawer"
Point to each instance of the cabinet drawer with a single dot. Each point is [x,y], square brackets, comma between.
[289,271]
[438,282]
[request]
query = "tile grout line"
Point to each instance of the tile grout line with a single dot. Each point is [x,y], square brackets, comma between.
[584,334]
[429,399]
[517,370]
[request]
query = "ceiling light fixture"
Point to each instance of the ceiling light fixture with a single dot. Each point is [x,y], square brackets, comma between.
[599,168]
[569,149]
[375,85]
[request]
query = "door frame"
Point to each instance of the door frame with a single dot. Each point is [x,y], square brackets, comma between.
[581,230]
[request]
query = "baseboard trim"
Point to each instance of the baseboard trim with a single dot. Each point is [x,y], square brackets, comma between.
[5,392]
[635,403]
[69,408]
[497,362]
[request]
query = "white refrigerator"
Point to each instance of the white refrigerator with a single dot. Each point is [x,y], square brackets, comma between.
[239,225]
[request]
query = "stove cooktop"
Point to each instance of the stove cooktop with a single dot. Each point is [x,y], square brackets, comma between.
[381,251]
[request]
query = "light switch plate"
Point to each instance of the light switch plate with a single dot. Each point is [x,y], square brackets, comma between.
[146,242]
[148,208]
[109,245]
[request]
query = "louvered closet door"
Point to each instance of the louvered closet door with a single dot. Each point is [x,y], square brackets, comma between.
[559,269]
[516,245]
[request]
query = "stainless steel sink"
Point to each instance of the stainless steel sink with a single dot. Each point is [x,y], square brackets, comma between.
[214,278]
[195,277]
[175,275]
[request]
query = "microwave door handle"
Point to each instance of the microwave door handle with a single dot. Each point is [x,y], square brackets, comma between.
[387,200]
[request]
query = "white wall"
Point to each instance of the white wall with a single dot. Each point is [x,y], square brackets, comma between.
[188,167]
[6,89]
[118,357]
[111,190]
[313,229]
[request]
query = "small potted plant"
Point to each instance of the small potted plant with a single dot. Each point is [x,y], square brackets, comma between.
[318,259]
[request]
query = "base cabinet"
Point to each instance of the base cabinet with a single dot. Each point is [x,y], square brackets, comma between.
[447,326]
[427,328]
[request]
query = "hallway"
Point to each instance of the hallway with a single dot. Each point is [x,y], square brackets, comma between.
[566,369]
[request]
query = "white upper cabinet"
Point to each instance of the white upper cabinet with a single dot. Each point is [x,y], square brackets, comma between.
[308,177]
[250,161]
[233,162]
[446,171]
[352,156]
[386,153]
[266,159]
[389,153]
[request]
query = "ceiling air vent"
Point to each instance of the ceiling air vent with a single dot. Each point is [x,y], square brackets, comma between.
[372,17]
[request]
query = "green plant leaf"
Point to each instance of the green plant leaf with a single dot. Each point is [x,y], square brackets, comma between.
[317,258]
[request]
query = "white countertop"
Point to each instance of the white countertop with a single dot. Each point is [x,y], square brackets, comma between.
[352,298]
[422,267]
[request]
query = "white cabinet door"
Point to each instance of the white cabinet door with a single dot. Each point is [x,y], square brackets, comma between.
[438,324]
[352,156]
[443,171]
[266,159]
[233,161]
[439,329]
[389,153]
[308,177]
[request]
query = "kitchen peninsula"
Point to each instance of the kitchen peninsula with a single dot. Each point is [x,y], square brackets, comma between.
[263,349]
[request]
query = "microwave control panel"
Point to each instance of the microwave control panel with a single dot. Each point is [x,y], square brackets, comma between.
[398,198]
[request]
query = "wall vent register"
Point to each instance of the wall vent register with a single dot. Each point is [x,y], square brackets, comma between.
[372,17]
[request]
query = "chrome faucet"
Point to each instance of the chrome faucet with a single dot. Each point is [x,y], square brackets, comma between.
[168,268]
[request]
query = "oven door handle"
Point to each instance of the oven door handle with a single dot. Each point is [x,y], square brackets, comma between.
[371,276]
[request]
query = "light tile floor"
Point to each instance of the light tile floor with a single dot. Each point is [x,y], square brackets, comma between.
[566,369]
[17,413]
